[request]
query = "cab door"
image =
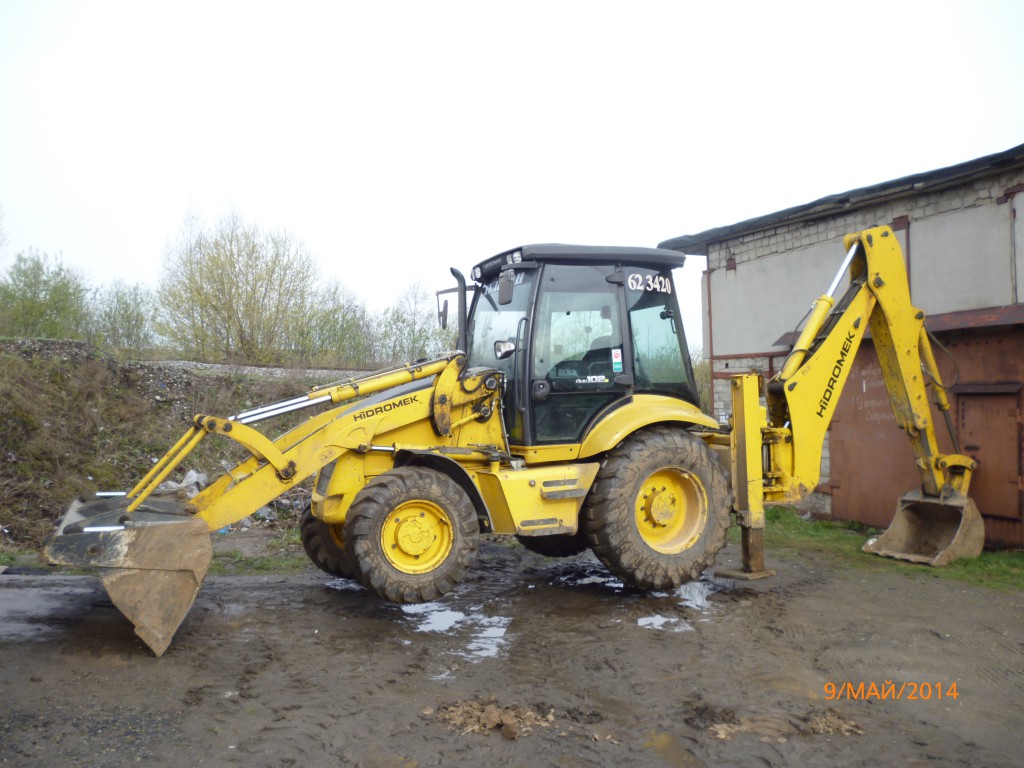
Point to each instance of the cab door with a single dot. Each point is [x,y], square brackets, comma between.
[579,362]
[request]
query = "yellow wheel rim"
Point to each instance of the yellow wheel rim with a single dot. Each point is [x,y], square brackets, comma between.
[671,510]
[417,536]
[334,530]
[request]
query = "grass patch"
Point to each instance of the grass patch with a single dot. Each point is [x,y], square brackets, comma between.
[282,554]
[235,563]
[841,542]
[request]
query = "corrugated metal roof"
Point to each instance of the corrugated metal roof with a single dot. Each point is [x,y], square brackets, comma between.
[919,183]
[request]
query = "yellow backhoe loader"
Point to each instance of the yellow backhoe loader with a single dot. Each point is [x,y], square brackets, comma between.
[568,419]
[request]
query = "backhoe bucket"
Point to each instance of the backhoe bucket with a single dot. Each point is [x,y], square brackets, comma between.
[932,530]
[152,561]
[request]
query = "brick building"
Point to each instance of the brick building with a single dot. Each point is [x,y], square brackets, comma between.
[963,240]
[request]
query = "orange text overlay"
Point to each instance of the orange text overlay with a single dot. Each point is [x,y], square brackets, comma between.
[889,690]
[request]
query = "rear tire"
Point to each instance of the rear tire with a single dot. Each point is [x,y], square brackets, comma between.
[412,534]
[324,543]
[557,544]
[658,511]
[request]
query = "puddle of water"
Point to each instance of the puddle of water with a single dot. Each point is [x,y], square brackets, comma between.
[667,623]
[490,638]
[435,618]
[25,630]
[694,594]
[344,585]
[585,574]
[38,614]
[233,609]
[482,637]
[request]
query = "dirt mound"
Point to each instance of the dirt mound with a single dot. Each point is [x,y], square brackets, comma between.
[74,420]
[487,715]
[831,723]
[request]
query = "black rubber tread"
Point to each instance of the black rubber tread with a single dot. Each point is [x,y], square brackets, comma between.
[322,547]
[557,544]
[370,510]
[609,509]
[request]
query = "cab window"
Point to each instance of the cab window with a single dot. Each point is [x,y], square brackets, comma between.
[661,361]
[577,350]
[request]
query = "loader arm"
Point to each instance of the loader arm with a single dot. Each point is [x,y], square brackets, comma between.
[154,552]
[777,449]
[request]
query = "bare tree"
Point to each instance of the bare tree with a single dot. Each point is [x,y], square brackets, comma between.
[235,293]
[409,329]
[333,330]
[124,316]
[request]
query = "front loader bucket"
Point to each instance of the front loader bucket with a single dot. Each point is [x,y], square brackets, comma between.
[152,561]
[932,530]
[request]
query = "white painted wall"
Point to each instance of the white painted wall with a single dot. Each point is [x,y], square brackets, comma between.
[961,260]
[762,299]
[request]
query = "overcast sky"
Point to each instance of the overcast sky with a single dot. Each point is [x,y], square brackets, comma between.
[396,139]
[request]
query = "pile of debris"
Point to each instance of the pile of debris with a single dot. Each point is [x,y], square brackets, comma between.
[486,715]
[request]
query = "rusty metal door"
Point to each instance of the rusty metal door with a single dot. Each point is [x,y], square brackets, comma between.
[872,462]
[990,432]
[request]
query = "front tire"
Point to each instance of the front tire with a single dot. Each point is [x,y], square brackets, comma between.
[658,511]
[412,534]
[324,544]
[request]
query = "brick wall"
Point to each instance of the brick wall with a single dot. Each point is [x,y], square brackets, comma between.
[787,237]
[799,236]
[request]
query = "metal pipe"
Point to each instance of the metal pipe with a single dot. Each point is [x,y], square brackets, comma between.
[279,408]
[169,466]
[842,270]
[463,341]
[167,457]
[263,408]
[816,320]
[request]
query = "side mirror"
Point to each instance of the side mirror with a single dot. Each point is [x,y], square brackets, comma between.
[442,315]
[504,349]
[506,281]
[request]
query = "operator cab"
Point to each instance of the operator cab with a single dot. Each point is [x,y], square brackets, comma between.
[577,330]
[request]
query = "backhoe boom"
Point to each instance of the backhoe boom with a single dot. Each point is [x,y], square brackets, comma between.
[934,524]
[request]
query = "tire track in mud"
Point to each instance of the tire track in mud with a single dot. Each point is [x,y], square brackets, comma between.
[300,671]
[406,655]
[833,625]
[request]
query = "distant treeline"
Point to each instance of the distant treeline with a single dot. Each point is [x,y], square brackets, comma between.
[234,294]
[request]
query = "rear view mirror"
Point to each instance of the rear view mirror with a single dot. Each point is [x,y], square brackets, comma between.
[442,315]
[506,281]
[504,349]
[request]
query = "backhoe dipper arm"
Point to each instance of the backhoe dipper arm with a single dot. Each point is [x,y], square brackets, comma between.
[805,393]
[933,524]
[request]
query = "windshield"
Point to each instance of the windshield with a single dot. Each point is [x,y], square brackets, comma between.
[490,322]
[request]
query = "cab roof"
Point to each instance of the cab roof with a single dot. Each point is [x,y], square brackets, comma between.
[655,258]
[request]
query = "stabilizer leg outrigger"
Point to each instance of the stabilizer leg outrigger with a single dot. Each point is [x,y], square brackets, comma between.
[745,446]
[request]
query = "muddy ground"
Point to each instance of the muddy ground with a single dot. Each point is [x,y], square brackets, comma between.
[530,662]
